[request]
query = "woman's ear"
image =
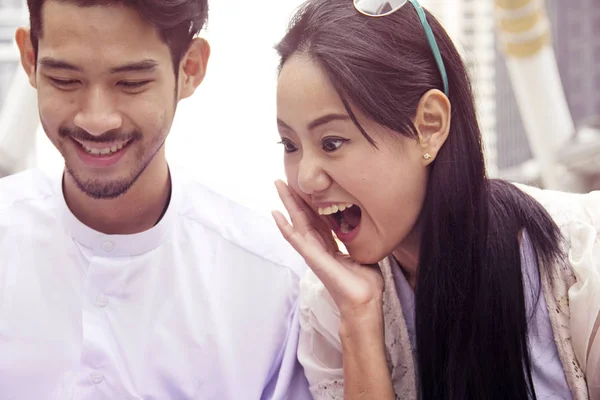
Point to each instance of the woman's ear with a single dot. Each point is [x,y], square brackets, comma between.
[432,121]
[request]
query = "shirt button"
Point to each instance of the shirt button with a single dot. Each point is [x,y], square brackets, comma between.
[108,246]
[101,301]
[97,377]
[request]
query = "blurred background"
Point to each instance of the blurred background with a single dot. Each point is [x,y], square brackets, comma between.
[533,64]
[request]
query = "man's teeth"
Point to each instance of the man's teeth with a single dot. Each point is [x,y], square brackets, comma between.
[334,208]
[104,151]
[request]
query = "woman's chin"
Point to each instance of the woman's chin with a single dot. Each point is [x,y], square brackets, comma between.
[364,258]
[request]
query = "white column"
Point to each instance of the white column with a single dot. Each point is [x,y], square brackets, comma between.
[19,121]
[524,31]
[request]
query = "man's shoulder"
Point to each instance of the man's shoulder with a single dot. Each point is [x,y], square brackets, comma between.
[28,186]
[248,228]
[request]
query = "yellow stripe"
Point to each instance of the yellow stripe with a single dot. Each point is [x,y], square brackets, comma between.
[527,49]
[512,4]
[521,24]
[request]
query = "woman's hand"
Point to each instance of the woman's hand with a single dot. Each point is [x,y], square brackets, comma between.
[356,289]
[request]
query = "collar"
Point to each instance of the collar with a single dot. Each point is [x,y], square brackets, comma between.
[104,245]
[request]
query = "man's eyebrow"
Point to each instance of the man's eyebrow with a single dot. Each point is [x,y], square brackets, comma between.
[138,66]
[54,63]
[147,65]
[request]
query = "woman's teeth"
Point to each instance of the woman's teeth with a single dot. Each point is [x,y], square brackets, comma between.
[334,208]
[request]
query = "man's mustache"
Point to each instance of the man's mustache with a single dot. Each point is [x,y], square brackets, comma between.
[115,135]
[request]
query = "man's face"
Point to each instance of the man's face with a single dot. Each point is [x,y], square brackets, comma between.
[106,92]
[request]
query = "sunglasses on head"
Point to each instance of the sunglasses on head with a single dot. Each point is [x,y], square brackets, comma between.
[381,8]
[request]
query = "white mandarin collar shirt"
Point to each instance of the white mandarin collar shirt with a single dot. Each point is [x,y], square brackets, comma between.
[202,306]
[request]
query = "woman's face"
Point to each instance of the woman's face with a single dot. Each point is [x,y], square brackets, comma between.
[371,197]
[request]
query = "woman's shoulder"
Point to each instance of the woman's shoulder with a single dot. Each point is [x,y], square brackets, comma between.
[578,217]
[566,207]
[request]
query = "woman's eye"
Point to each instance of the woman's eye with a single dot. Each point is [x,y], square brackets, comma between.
[331,144]
[288,145]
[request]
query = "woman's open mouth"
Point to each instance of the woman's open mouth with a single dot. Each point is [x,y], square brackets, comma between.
[344,218]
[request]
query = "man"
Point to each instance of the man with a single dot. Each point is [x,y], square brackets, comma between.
[124,279]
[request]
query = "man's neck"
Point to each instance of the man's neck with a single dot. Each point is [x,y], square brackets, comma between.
[135,211]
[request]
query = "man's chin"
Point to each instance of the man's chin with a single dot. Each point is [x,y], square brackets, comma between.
[101,188]
[110,191]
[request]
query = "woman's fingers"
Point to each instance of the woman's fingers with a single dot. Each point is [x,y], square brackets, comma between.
[329,270]
[297,214]
[304,217]
[318,224]
[287,231]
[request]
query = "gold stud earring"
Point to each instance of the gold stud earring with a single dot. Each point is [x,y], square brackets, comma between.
[427,156]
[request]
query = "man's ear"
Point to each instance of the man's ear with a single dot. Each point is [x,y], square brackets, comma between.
[28,58]
[193,67]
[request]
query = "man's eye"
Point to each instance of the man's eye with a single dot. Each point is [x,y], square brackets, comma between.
[133,84]
[331,144]
[63,83]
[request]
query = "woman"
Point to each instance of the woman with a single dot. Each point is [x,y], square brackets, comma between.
[470,296]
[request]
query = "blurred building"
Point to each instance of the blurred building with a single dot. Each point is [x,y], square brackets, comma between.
[16,125]
[11,16]
[576,41]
